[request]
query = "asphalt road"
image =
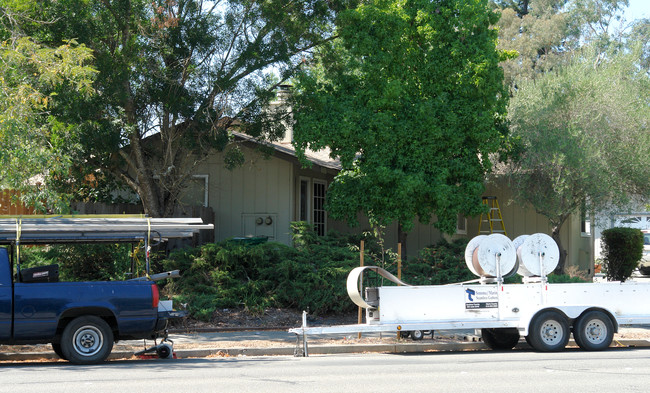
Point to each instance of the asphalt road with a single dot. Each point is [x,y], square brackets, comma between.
[615,370]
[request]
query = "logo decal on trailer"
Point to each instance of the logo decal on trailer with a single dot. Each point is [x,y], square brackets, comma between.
[477,298]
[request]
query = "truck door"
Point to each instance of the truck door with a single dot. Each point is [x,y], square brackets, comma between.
[5,295]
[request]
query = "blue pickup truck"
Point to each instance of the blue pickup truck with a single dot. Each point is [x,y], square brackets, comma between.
[81,320]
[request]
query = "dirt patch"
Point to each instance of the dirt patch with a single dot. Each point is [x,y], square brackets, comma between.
[268,319]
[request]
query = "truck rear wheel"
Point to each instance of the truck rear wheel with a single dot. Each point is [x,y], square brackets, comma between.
[499,339]
[87,340]
[593,331]
[549,331]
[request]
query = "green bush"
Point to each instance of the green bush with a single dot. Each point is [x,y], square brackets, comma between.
[443,263]
[228,275]
[564,279]
[311,277]
[81,262]
[622,251]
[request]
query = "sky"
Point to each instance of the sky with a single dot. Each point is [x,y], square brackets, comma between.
[638,9]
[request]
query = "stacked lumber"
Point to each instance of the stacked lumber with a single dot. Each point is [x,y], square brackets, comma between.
[95,228]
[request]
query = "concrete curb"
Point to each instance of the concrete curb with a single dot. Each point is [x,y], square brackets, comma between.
[313,350]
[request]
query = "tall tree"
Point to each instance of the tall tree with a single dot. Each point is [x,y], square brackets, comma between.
[549,39]
[33,143]
[173,76]
[411,99]
[540,35]
[584,137]
[544,32]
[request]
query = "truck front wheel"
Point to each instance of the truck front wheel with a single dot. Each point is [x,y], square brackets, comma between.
[593,331]
[549,331]
[87,340]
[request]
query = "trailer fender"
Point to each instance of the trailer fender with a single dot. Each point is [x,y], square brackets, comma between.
[524,322]
[604,310]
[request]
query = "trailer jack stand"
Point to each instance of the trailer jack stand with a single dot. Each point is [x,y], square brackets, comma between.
[164,350]
[304,351]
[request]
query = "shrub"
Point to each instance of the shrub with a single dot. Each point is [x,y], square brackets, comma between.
[622,251]
[226,273]
[311,277]
[443,263]
[82,262]
[564,279]
[262,276]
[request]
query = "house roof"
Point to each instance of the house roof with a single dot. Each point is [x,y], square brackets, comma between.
[321,157]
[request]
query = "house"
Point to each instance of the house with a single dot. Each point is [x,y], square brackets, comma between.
[262,198]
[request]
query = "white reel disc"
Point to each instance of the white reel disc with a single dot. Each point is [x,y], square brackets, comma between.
[535,247]
[494,249]
[518,241]
[469,252]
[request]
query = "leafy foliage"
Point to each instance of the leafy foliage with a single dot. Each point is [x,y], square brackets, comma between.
[583,134]
[544,32]
[410,98]
[565,278]
[443,263]
[34,145]
[82,262]
[173,77]
[622,251]
[228,275]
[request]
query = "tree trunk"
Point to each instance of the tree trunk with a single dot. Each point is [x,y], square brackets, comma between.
[563,254]
[401,238]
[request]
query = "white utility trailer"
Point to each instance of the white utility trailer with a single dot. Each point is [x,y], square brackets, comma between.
[544,313]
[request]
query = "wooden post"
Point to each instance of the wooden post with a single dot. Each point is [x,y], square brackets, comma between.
[361,252]
[399,261]
[399,270]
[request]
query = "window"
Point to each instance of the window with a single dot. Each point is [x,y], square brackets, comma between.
[311,203]
[319,218]
[585,222]
[196,192]
[303,213]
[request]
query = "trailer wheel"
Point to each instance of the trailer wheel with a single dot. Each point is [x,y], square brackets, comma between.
[593,331]
[404,334]
[57,349]
[417,335]
[500,339]
[549,331]
[87,340]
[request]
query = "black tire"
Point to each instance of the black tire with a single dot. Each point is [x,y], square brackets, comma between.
[528,340]
[57,349]
[500,339]
[593,331]
[87,340]
[417,335]
[164,352]
[549,332]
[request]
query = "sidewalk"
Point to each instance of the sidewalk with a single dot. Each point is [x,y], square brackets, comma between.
[282,343]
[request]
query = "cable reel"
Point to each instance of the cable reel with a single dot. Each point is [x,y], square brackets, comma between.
[492,256]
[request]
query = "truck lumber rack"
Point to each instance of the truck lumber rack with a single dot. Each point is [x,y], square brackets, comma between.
[95,228]
[52,229]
